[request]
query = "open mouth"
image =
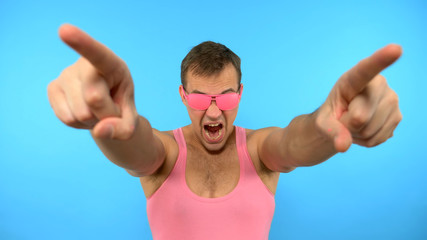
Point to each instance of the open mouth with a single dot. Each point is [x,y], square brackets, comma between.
[213,131]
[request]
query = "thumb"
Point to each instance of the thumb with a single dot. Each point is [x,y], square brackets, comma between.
[113,128]
[104,129]
[336,132]
[119,128]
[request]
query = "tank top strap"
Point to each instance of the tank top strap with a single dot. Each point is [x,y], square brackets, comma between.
[242,151]
[179,137]
[240,136]
[182,155]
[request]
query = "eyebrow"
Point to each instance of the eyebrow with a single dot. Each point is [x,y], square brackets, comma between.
[225,91]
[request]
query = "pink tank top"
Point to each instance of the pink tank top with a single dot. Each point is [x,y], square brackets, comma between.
[175,212]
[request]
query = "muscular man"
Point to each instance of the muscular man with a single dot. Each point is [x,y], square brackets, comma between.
[211,179]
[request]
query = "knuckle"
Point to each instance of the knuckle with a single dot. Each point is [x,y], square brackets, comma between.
[396,120]
[365,134]
[372,143]
[392,99]
[94,98]
[69,122]
[360,142]
[84,116]
[399,118]
[126,133]
[121,72]
[381,82]
[319,122]
[51,89]
[381,79]
[67,73]
[359,119]
[322,126]
[378,140]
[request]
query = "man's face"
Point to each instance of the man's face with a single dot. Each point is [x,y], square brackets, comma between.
[212,127]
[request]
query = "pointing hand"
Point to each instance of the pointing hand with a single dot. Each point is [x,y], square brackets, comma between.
[361,108]
[96,92]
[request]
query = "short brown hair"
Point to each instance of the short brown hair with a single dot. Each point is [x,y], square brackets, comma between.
[209,58]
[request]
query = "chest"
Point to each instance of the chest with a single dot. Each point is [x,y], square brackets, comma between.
[212,176]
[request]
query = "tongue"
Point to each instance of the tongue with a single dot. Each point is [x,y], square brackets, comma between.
[213,131]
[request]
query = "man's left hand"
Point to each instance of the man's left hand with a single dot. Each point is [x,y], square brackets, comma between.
[361,108]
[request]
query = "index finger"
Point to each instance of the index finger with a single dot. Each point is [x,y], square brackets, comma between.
[356,79]
[98,54]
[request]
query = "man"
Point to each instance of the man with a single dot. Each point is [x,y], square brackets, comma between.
[211,179]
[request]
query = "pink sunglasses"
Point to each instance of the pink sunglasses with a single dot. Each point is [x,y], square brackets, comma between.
[225,101]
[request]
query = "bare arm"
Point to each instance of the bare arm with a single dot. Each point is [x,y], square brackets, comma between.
[141,155]
[360,109]
[299,144]
[97,93]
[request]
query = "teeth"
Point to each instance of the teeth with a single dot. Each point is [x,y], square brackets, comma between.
[213,125]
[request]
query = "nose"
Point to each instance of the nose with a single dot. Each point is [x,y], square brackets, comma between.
[213,111]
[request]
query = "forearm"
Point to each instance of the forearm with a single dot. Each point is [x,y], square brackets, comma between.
[142,153]
[305,143]
[299,144]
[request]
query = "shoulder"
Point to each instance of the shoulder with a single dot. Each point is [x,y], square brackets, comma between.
[171,150]
[254,140]
[167,138]
[264,140]
[257,136]
[163,134]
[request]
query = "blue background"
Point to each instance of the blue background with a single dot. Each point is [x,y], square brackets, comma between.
[56,184]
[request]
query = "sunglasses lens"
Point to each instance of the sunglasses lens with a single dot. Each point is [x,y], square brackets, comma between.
[227,101]
[198,101]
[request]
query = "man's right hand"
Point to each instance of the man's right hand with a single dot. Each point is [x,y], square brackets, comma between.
[96,92]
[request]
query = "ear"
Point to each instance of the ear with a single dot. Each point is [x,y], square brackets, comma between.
[181,93]
[240,91]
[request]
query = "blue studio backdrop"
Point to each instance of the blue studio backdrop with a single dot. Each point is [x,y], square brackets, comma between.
[56,184]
